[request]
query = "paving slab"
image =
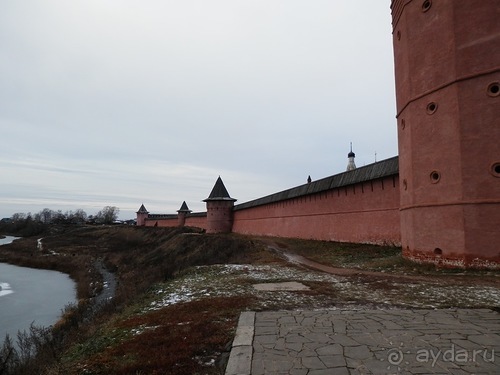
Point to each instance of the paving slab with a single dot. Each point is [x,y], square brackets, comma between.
[240,358]
[392,341]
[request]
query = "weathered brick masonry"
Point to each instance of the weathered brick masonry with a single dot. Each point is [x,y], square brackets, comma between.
[361,205]
[447,70]
[441,198]
[356,206]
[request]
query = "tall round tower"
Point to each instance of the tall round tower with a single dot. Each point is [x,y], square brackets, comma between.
[219,209]
[447,70]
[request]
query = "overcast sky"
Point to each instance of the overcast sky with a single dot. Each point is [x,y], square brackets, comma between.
[121,102]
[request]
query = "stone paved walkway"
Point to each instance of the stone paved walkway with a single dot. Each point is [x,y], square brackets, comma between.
[393,341]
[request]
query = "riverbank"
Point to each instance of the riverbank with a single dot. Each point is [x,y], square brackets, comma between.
[32,296]
[5,240]
[137,258]
[179,292]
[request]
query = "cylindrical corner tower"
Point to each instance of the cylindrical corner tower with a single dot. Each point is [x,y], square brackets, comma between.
[447,69]
[219,209]
[142,215]
[182,213]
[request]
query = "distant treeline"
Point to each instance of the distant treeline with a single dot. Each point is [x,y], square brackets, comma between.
[32,224]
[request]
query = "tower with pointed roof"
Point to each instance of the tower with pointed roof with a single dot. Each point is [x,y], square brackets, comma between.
[142,215]
[219,209]
[350,164]
[182,213]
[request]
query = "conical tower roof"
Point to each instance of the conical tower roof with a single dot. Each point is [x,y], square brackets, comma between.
[184,208]
[142,210]
[219,192]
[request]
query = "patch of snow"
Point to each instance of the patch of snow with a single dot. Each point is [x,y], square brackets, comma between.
[240,279]
[141,329]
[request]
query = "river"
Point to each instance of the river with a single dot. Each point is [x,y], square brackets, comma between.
[30,295]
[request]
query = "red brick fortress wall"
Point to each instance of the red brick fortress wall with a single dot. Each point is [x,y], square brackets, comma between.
[362,212]
[198,220]
[447,69]
[161,222]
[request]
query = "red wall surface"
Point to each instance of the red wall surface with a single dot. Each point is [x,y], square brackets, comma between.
[162,222]
[191,221]
[219,216]
[364,213]
[446,53]
[196,221]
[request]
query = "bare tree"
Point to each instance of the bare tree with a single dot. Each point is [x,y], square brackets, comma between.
[107,215]
[18,216]
[8,356]
[46,216]
[79,216]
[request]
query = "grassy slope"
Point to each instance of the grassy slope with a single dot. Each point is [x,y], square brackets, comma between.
[171,318]
[140,257]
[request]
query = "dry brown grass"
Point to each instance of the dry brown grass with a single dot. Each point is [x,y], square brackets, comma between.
[368,257]
[139,257]
[336,254]
[185,338]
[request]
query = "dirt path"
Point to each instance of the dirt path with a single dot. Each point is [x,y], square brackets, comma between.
[352,272]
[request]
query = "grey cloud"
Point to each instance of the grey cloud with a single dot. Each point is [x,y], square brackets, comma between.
[157,98]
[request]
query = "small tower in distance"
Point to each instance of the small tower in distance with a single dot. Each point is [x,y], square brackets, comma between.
[182,213]
[350,164]
[219,209]
[142,215]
